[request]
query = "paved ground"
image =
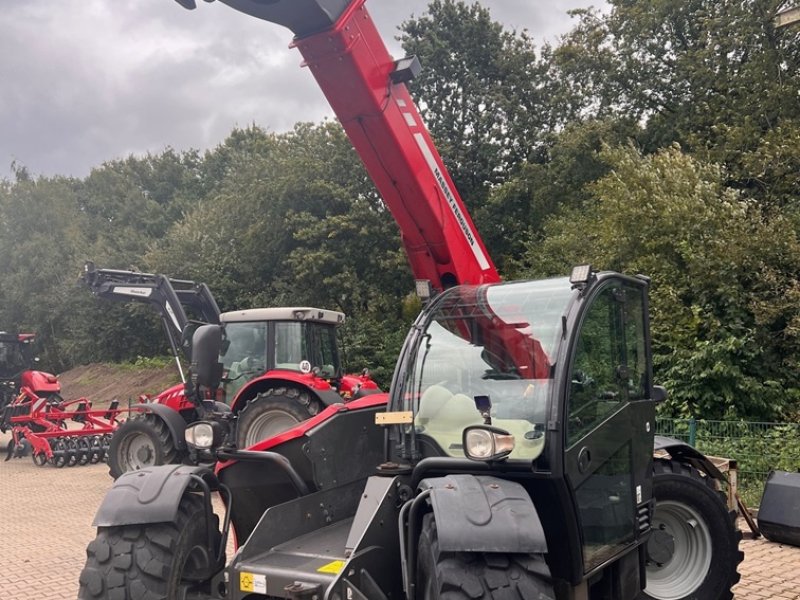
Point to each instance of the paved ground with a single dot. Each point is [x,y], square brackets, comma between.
[46,525]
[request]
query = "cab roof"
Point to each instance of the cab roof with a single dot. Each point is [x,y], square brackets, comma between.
[302,313]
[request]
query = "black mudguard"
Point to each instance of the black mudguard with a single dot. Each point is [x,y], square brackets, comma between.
[683,452]
[484,514]
[150,495]
[327,397]
[172,418]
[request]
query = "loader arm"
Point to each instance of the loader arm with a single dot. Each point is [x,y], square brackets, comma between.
[365,87]
[167,296]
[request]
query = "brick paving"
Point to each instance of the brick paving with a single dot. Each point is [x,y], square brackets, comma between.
[46,525]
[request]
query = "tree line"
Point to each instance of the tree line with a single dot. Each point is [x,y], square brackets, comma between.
[656,137]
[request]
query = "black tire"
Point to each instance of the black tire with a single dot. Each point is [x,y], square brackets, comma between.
[143,441]
[155,561]
[693,552]
[477,575]
[273,411]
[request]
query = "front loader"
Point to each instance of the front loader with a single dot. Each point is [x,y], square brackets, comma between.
[513,457]
[280,366]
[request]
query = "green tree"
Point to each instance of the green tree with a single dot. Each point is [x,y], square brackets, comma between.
[712,75]
[724,328]
[295,220]
[518,209]
[483,94]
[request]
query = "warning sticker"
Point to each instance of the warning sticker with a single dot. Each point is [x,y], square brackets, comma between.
[252,582]
[332,567]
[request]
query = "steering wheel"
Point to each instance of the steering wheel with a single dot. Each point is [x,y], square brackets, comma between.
[500,375]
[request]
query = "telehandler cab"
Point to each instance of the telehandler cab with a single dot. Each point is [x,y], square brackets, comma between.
[514,460]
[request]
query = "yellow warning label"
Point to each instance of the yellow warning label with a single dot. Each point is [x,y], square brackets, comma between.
[252,582]
[332,567]
[246,582]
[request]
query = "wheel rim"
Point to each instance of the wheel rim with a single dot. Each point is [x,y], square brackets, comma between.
[137,451]
[679,551]
[269,424]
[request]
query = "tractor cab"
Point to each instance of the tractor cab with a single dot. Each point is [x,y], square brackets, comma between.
[16,369]
[15,355]
[256,341]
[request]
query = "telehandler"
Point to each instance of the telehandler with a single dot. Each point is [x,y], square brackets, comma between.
[514,456]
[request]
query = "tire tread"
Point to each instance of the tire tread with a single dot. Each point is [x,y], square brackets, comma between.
[132,562]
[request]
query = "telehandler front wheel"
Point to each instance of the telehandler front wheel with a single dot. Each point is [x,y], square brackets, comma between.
[476,575]
[693,551]
[144,441]
[273,411]
[156,561]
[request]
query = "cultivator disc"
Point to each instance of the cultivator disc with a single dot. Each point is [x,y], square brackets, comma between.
[69,451]
[98,448]
[59,457]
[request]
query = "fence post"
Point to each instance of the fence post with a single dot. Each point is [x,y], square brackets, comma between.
[692,431]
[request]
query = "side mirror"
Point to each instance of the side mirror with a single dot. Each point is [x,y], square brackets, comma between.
[659,393]
[206,368]
[484,406]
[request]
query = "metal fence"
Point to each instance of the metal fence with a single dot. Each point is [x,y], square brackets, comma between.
[758,448]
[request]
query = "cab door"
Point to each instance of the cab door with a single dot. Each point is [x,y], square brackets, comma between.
[609,420]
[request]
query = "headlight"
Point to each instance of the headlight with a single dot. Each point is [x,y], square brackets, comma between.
[202,435]
[483,442]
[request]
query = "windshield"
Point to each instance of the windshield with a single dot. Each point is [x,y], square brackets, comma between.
[299,342]
[299,346]
[498,341]
[12,361]
[244,355]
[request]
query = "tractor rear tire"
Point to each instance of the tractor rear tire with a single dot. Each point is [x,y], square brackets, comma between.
[273,411]
[143,441]
[477,575]
[693,551]
[154,561]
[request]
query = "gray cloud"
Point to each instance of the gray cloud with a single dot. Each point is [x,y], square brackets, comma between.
[85,81]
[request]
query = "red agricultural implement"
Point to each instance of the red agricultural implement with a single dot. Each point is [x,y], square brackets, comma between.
[41,422]
[58,432]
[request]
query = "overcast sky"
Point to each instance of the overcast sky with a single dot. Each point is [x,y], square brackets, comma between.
[85,81]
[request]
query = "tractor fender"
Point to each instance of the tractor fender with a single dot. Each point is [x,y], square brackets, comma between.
[172,419]
[477,513]
[149,495]
[681,451]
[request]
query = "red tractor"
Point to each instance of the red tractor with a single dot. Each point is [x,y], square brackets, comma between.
[280,367]
[16,373]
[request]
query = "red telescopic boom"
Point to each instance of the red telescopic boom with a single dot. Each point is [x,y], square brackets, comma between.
[365,87]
